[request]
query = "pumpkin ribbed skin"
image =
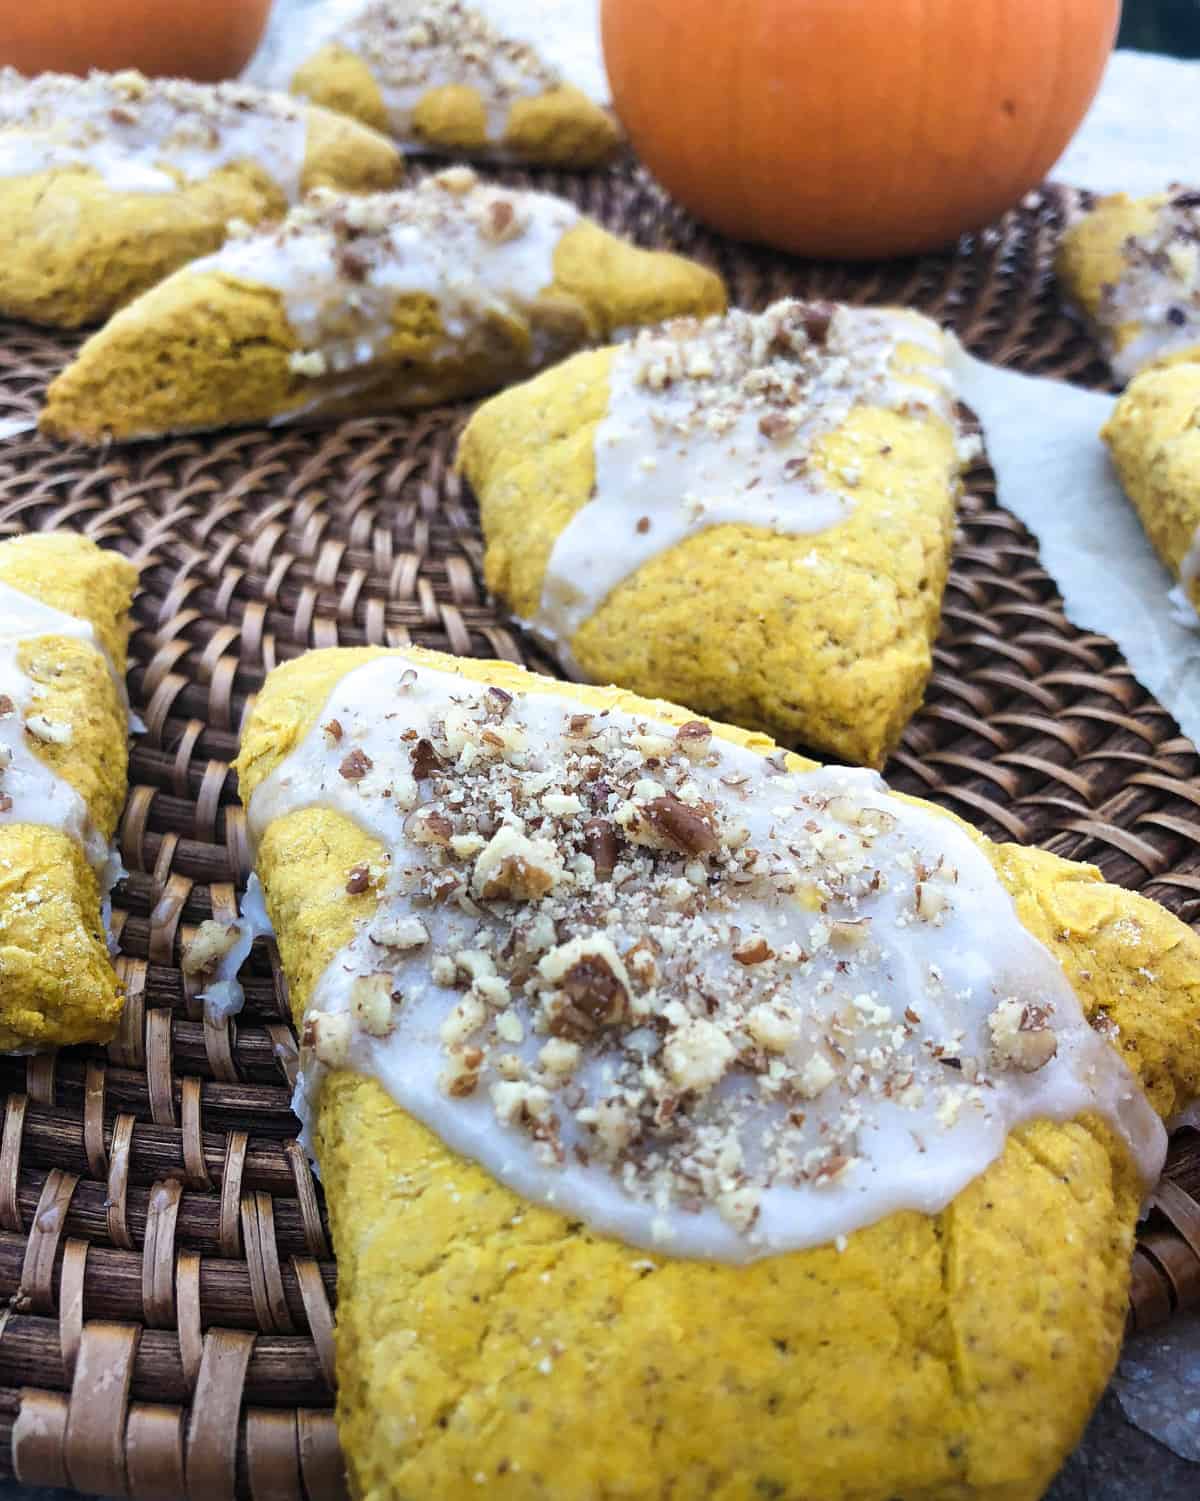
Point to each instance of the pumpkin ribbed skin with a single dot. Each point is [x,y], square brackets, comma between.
[854,128]
[203,39]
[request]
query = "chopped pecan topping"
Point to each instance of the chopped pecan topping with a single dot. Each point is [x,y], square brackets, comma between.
[679,826]
[425,760]
[601,843]
[515,868]
[1021,1036]
[775,425]
[754,950]
[501,220]
[593,990]
[356,765]
[352,265]
[329,1035]
[429,826]
[817,318]
[694,738]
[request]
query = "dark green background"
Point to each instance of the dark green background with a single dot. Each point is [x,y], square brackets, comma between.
[1162,26]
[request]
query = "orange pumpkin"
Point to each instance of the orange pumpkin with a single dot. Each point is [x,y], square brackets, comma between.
[204,39]
[853,128]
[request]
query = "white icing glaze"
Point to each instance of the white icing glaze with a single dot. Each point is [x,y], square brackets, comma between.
[430,239]
[304,1109]
[566,33]
[933,977]
[504,49]
[1182,608]
[673,461]
[1158,289]
[224,997]
[36,793]
[147,136]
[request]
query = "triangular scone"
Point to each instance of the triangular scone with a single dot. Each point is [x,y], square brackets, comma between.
[476,78]
[652,1073]
[109,183]
[1154,438]
[369,304]
[1133,265]
[64,624]
[752,517]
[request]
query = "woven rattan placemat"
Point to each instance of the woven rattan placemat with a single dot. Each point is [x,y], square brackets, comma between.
[162,1247]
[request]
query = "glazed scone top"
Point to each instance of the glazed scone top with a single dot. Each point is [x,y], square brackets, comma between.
[341,261]
[661,983]
[500,49]
[716,421]
[1158,290]
[30,790]
[147,135]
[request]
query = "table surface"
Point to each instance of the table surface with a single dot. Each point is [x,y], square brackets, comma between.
[1139,135]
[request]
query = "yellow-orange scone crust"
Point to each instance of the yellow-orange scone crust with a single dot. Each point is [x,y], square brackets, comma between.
[485,1341]
[203,350]
[1090,259]
[1154,438]
[77,249]
[819,638]
[560,127]
[57,983]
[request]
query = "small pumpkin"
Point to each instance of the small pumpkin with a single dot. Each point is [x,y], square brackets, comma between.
[853,128]
[203,39]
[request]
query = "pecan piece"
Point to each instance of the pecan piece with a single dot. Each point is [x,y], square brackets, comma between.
[592,990]
[601,843]
[776,425]
[754,950]
[817,318]
[693,738]
[680,827]
[425,760]
[356,765]
[352,265]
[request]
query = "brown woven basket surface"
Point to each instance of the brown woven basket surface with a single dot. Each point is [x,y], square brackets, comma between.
[163,1251]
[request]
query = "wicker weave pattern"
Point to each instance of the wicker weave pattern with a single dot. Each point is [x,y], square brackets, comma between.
[161,1237]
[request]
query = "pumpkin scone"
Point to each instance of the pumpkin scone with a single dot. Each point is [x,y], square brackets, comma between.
[111,182]
[751,516]
[1133,265]
[672,1089]
[64,624]
[369,304]
[1153,436]
[474,78]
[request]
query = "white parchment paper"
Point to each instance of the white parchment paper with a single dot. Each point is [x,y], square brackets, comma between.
[1158,1384]
[1053,472]
[1142,131]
